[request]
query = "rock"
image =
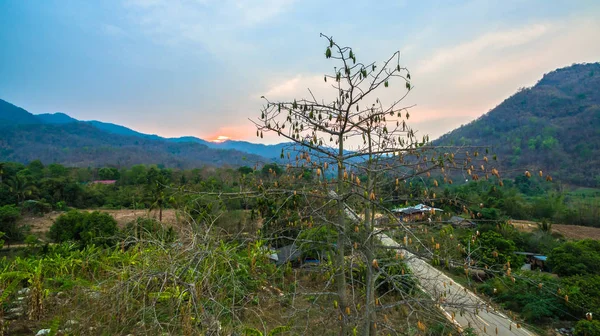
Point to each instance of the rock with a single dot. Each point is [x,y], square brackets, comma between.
[43,332]
[23,291]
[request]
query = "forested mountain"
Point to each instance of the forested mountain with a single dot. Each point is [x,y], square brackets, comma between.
[13,115]
[81,144]
[58,138]
[553,126]
[16,115]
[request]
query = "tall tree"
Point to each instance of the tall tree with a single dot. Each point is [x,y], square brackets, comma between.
[356,144]
[20,187]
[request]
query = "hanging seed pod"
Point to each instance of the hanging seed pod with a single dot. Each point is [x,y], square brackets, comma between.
[566,298]
[548,178]
[347,310]
[375,264]
[356,228]
[335,304]
[527,174]
[540,286]
[372,196]
[435,183]
[318,171]
[355,245]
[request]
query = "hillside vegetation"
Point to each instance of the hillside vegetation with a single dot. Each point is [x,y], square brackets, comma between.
[554,126]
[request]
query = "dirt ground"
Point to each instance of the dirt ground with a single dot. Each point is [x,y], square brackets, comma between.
[41,225]
[569,231]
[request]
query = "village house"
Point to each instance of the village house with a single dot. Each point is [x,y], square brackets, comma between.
[418,212]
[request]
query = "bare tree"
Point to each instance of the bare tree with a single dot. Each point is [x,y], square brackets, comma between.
[357,146]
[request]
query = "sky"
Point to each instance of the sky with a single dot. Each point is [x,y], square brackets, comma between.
[199,67]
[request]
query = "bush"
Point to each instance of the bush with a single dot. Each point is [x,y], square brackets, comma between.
[85,228]
[9,215]
[576,258]
[524,296]
[587,328]
[37,208]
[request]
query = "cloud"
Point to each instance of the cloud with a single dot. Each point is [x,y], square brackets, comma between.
[297,88]
[214,24]
[490,42]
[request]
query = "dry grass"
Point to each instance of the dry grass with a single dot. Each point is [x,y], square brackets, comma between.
[568,231]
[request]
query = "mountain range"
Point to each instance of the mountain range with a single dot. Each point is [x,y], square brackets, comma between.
[553,126]
[57,137]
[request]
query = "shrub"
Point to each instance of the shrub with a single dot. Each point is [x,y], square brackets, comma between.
[37,208]
[587,328]
[85,228]
[9,215]
[576,258]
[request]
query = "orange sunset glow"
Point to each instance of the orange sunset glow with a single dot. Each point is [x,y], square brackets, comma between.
[220,138]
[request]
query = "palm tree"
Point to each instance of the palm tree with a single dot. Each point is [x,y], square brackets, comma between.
[20,187]
[156,187]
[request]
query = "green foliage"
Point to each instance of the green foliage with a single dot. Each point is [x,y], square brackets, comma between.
[490,244]
[318,240]
[525,296]
[9,217]
[587,328]
[584,293]
[576,258]
[149,229]
[83,227]
[36,208]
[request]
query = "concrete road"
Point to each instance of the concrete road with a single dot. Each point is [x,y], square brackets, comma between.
[459,304]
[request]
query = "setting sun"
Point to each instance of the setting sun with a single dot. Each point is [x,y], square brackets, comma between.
[220,138]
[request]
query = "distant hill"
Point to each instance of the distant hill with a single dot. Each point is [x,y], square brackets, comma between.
[14,115]
[553,126]
[56,118]
[267,151]
[81,144]
[58,138]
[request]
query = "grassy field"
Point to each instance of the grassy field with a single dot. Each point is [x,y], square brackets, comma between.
[568,231]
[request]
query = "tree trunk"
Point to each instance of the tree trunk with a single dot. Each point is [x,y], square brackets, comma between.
[369,248]
[340,275]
